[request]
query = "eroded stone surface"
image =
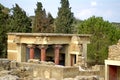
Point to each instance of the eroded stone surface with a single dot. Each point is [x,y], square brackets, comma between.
[46,71]
[114,52]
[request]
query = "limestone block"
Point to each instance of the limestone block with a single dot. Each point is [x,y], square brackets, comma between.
[68,79]
[4,72]
[47,74]
[114,52]
[9,77]
[47,63]
[86,78]
[34,61]
[4,64]
[13,64]
[101,78]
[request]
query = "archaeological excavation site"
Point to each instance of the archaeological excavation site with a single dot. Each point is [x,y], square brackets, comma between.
[43,56]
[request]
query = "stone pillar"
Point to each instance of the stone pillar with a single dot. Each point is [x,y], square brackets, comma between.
[80,55]
[21,55]
[43,52]
[31,51]
[85,54]
[57,51]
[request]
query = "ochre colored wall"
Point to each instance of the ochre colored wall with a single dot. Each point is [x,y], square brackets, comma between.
[12,48]
[18,42]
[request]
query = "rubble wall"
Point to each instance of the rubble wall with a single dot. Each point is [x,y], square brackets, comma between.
[114,52]
[50,71]
[46,71]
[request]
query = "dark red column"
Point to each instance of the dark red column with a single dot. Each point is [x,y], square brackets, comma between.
[57,51]
[31,51]
[43,52]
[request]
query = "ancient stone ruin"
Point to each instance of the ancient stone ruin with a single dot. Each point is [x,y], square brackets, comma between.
[43,56]
[37,70]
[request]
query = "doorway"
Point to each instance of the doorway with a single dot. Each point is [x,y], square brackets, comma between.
[73,59]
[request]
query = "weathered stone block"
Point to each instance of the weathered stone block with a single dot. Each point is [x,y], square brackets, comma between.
[13,64]
[4,64]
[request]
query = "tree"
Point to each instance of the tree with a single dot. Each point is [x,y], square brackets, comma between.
[50,21]
[19,21]
[65,18]
[42,22]
[103,35]
[3,30]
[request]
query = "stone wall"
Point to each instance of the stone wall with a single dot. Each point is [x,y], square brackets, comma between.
[114,52]
[43,71]
[50,71]
[100,69]
[88,73]
[35,69]
[70,72]
[4,64]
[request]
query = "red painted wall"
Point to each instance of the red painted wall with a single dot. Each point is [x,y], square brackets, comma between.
[112,72]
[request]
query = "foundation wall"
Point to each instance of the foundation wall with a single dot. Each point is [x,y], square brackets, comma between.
[50,71]
[47,71]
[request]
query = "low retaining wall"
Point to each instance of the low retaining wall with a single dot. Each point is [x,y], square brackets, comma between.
[88,73]
[4,64]
[48,70]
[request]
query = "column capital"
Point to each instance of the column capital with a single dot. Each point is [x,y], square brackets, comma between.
[31,46]
[43,46]
[58,46]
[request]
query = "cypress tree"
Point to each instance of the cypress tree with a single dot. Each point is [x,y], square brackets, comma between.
[50,21]
[42,22]
[3,30]
[65,18]
[19,21]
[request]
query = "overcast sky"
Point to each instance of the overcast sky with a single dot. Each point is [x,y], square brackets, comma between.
[82,9]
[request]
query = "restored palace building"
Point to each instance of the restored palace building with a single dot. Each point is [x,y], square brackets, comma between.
[62,49]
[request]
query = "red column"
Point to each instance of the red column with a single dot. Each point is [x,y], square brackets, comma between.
[31,51]
[57,51]
[43,52]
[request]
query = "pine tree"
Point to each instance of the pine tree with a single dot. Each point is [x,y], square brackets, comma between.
[65,18]
[103,35]
[19,21]
[42,20]
[3,30]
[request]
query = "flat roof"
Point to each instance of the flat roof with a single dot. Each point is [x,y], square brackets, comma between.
[48,34]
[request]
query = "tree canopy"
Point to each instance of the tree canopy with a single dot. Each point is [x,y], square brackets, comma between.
[3,30]
[103,35]
[19,21]
[42,22]
[63,23]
